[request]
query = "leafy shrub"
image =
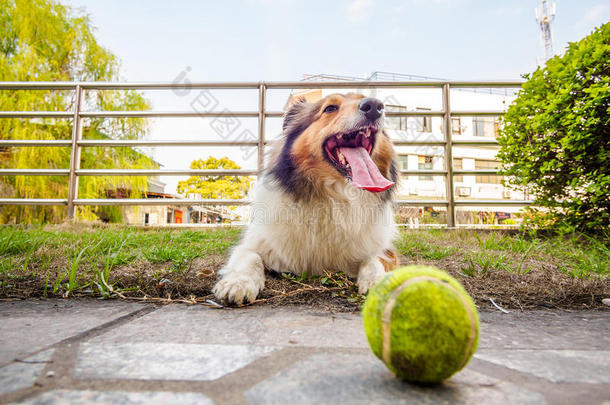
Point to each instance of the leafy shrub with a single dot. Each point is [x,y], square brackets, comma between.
[556,136]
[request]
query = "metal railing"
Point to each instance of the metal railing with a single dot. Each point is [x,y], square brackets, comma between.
[77,143]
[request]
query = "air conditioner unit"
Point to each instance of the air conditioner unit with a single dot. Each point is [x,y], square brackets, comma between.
[463,191]
[506,194]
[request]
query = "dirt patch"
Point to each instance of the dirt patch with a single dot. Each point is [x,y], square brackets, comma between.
[161,282]
[543,287]
[195,283]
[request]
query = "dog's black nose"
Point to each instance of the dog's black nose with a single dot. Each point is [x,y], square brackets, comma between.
[371,107]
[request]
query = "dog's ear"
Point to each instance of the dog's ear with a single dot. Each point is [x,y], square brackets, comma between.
[297,115]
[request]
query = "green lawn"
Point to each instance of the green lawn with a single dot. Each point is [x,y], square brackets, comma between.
[513,270]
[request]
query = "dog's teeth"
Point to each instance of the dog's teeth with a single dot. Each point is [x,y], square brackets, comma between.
[367,133]
[339,136]
[347,165]
[341,158]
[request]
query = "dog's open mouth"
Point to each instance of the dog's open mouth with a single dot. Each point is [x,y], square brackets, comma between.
[350,153]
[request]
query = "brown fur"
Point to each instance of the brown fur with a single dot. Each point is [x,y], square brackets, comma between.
[389,260]
[307,149]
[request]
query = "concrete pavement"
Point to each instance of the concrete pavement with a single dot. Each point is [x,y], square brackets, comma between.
[91,351]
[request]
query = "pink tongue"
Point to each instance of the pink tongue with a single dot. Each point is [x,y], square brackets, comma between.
[365,173]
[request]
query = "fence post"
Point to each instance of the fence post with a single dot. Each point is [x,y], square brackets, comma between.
[448,156]
[262,89]
[75,154]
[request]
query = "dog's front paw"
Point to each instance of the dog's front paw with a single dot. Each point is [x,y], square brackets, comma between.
[365,283]
[237,290]
[369,274]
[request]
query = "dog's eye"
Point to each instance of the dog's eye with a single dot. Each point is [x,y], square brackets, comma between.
[331,108]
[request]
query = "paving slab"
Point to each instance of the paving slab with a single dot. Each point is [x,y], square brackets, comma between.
[120,352]
[257,325]
[30,326]
[118,398]
[546,329]
[363,379]
[302,327]
[572,366]
[20,375]
[164,361]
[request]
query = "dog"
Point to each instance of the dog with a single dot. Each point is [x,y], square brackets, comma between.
[324,203]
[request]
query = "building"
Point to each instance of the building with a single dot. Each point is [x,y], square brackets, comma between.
[173,214]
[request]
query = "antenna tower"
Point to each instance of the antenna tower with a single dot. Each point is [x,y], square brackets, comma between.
[545,14]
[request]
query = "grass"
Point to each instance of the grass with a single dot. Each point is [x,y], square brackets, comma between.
[418,245]
[517,270]
[521,270]
[480,263]
[84,258]
[577,255]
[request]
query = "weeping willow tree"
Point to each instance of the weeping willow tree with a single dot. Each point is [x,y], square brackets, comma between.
[42,40]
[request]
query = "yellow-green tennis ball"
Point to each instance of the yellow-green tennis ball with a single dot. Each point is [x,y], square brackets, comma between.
[421,323]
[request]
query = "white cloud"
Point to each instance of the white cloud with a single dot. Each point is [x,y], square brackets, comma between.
[356,10]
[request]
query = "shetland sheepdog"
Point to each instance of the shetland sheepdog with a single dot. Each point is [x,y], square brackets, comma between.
[324,202]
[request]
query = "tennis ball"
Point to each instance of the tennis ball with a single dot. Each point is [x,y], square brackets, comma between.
[421,323]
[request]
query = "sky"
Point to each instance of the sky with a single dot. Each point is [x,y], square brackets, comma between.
[272,40]
[283,39]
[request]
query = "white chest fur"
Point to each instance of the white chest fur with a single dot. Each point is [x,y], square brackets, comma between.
[338,233]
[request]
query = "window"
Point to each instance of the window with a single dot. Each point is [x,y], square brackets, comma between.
[457,165]
[170,217]
[456,126]
[403,162]
[485,126]
[424,124]
[195,217]
[397,123]
[424,163]
[486,165]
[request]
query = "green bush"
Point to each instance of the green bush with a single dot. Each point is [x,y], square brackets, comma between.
[555,138]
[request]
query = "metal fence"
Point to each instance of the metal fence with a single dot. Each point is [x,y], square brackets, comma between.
[77,143]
